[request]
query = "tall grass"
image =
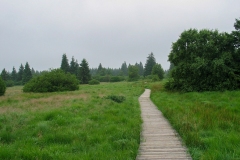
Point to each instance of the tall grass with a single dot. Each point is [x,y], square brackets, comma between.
[71,125]
[208,122]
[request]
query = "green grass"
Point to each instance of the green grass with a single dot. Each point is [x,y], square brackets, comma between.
[80,124]
[208,122]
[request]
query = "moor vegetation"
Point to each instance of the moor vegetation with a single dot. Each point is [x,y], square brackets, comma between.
[81,124]
[208,122]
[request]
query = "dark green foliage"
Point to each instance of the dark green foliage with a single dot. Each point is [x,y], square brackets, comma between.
[64,64]
[20,75]
[158,70]
[133,73]
[54,81]
[14,75]
[84,72]
[149,64]
[116,79]
[140,69]
[5,75]
[73,69]
[93,82]
[203,62]
[118,99]
[27,73]
[155,78]
[124,69]
[2,87]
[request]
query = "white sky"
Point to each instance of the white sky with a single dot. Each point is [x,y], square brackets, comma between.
[102,31]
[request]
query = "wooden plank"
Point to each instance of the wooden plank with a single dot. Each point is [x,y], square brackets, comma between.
[158,139]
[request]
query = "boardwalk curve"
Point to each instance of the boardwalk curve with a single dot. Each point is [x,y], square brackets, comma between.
[158,139]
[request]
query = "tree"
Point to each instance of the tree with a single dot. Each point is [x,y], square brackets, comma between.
[149,64]
[5,75]
[133,73]
[14,75]
[27,73]
[2,87]
[20,75]
[124,69]
[84,72]
[202,62]
[73,66]
[140,69]
[64,64]
[158,70]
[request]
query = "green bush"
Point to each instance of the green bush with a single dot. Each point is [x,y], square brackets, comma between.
[118,99]
[116,79]
[2,87]
[54,81]
[93,82]
[155,78]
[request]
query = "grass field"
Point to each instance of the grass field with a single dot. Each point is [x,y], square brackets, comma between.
[208,122]
[81,124]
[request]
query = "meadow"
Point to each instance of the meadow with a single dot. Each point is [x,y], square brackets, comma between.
[83,124]
[208,122]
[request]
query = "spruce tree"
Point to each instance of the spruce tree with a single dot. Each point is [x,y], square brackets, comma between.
[140,69]
[27,74]
[64,64]
[5,75]
[149,64]
[73,66]
[2,86]
[84,72]
[124,69]
[14,75]
[20,74]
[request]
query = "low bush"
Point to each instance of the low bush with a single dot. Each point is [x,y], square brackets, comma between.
[93,82]
[2,87]
[116,79]
[54,81]
[118,99]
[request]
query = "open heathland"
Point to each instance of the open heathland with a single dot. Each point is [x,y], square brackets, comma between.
[208,122]
[82,124]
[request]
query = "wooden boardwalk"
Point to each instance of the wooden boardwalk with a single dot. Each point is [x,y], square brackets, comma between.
[158,139]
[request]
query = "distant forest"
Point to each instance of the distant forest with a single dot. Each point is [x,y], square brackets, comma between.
[81,70]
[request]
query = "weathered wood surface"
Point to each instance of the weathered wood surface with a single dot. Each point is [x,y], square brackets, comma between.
[158,139]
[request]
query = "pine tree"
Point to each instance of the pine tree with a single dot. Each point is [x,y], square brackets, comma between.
[27,74]
[124,69]
[5,75]
[64,64]
[133,73]
[84,72]
[14,75]
[140,69]
[149,64]
[73,66]
[20,74]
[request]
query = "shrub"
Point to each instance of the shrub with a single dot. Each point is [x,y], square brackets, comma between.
[155,78]
[93,82]
[2,87]
[54,81]
[9,83]
[116,79]
[118,99]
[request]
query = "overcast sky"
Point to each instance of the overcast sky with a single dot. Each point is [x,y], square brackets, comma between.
[102,31]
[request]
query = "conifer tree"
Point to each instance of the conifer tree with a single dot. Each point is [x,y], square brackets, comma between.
[73,66]
[124,69]
[158,70]
[140,69]
[64,64]
[84,72]
[149,64]
[27,74]
[20,74]
[5,75]
[14,75]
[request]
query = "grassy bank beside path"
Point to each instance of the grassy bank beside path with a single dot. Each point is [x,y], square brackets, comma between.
[208,122]
[81,124]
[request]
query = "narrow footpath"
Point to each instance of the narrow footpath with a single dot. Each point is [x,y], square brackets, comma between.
[158,139]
